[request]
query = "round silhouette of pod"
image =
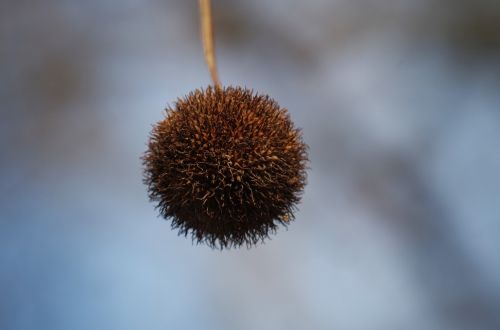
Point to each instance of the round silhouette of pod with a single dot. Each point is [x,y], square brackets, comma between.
[226,165]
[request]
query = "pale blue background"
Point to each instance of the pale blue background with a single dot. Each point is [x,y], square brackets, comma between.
[399,226]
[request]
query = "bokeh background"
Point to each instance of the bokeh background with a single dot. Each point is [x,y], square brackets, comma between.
[399,227]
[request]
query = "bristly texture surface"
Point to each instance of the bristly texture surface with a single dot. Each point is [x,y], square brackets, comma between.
[226,165]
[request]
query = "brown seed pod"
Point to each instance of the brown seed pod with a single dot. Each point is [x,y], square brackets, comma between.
[226,165]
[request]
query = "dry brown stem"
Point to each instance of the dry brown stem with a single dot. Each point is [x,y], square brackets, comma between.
[207,37]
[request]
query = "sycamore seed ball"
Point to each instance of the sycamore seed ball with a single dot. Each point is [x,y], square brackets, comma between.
[226,165]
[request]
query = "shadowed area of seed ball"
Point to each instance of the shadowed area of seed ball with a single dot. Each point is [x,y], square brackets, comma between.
[226,165]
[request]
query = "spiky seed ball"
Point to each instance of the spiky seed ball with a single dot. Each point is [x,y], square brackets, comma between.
[226,165]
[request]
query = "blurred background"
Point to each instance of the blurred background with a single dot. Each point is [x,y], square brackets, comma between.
[399,227]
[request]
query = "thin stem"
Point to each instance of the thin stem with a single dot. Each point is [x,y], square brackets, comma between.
[207,37]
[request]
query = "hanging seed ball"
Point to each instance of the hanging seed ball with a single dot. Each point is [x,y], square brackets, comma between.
[226,165]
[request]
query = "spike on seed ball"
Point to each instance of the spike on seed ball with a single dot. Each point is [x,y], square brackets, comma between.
[226,165]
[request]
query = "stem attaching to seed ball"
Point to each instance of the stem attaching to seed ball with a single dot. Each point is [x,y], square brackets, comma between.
[207,37]
[226,165]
